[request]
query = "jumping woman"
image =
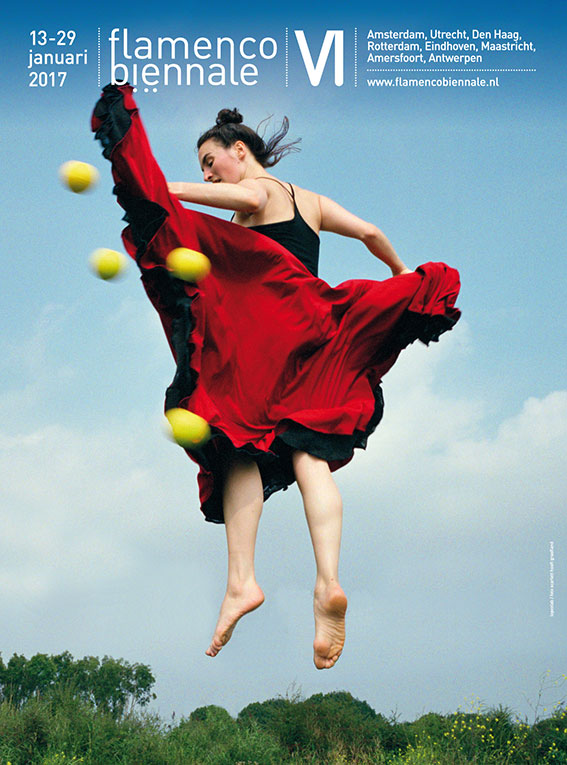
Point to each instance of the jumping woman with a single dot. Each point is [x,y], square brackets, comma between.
[285,369]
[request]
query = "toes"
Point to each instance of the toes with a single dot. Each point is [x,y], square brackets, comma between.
[215,646]
[322,661]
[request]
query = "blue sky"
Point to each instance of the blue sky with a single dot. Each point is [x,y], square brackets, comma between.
[450,512]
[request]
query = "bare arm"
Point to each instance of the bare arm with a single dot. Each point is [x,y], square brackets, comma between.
[336,219]
[246,196]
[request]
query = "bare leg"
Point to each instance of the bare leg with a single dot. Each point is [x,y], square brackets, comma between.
[243,498]
[324,512]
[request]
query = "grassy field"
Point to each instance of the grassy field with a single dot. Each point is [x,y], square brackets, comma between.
[325,729]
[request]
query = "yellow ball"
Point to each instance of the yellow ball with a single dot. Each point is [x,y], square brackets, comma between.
[189,265]
[187,429]
[78,176]
[107,264]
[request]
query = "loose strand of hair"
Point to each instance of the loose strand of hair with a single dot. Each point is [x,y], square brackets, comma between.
[275,152]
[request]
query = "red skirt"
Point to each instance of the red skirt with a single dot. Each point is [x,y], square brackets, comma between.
[272,357]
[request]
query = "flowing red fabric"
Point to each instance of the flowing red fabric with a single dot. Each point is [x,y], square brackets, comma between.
[272,345]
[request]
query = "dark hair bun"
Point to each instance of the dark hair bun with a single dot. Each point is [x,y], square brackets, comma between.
[227,116]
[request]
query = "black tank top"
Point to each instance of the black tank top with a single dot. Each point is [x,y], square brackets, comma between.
[295,234]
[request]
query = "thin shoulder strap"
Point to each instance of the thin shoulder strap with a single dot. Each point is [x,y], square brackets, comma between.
[289,191]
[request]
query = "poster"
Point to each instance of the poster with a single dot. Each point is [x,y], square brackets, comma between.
[442,124]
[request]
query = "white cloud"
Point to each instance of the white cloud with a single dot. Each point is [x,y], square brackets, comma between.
[82,506]
[441,450]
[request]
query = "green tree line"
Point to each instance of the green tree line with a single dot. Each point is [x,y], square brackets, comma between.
[111,685]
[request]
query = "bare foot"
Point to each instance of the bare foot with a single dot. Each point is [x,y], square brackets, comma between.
[234,606]
[329,607]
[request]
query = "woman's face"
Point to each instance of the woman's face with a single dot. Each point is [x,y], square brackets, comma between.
[220,164]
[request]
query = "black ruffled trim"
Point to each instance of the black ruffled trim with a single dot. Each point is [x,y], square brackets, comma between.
[143,217]
[115,119]
[415,326]
[333,447]
[168,295]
